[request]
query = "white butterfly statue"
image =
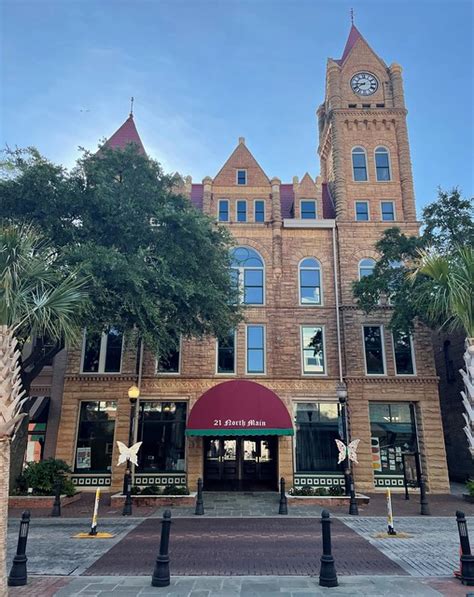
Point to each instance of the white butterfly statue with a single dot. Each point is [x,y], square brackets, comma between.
[349,451]
[128,453]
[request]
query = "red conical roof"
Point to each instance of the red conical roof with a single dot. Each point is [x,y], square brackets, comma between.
[354,35]
[126,134]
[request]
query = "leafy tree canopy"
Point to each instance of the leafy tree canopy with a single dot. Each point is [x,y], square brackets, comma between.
[447,224]
[163,280]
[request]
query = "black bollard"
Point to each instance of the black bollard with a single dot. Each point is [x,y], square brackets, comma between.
[327,572]
[467,559]
[283,500]
[199,511]
[424,507]
[161,573]
[127,483]
[56,511]
[353,508]
[18,574]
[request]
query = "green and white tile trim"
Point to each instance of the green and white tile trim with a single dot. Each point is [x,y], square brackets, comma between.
[318,479]
[388,481]
[82,480]
[144,479]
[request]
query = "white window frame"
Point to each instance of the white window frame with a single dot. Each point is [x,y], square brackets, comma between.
[389,163]
[366,165]
[252,374]
[237,211]
[237,177]
[359,266]
[241,279]
[384,356]
[413,360]
[227,374]
[393,206]
[323,331]
[102,356]
[255,211]
[171,373]
[368,210]
[219,211]
[315,208]
[321,302]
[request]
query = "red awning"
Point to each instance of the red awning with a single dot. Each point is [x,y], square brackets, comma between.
[239,408]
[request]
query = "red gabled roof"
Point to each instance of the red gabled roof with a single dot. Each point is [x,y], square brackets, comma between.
[126,134]
[354,35]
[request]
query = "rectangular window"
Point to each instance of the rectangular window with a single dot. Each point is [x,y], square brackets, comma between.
[95,437]
[226,354]
[102,352]
[403,351]
[359,165]
[373,346]
[241,176]
[362,211]
[169,363]
[253,287]
[161,428]
[255,349]
[382,164]
[317,427]
[260,211]
[223,210]
[308,210]
[241,211]
[312,347]
[393,432]
[388,211]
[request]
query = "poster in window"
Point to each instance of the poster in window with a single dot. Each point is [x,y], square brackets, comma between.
[83,458]
[376,461]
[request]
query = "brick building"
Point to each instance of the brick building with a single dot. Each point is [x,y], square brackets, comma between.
[266,401]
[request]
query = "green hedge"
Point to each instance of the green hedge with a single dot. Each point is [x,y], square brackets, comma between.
[41,476]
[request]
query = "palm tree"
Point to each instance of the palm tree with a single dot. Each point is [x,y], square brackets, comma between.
[37,298]
[447,294]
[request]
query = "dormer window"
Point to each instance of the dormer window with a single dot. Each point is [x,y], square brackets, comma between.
[308,210]
[241,177]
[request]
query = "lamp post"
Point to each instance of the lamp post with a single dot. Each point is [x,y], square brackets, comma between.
[341,393]
[133,396]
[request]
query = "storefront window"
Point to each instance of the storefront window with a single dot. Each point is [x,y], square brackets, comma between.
[317,427]
[393,432]
[37,426]
[95,437]
[161,428]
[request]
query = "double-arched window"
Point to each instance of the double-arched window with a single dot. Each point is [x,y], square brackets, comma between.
[382,164]
[359,164]
[310,281]
[248,273]
[366,267]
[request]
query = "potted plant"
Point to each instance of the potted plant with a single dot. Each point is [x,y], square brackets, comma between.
[469,497]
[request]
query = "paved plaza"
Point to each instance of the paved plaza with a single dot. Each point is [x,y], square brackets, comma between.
[241,546]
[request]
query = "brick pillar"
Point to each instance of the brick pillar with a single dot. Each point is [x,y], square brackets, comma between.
[285,459]
[339,162]
[207,198]
[194,461]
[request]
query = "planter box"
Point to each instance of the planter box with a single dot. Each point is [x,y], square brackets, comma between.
[30,502]
[468,498]
[117,500]
[326,500]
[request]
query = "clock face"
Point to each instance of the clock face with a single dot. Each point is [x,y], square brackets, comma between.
[364,84]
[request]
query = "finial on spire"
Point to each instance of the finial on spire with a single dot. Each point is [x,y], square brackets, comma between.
[132,99]
[352,16]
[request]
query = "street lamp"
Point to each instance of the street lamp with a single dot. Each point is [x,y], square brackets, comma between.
[341,393]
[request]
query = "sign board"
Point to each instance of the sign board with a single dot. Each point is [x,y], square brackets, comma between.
[83,458]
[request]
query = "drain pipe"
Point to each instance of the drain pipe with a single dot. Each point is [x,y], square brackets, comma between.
[336,294]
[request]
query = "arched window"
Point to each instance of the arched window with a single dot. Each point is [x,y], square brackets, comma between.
[247,270]
[359,164]
[382,164]
[310,281]
[366,268]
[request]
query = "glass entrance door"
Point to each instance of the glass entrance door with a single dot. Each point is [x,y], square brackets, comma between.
[244,463]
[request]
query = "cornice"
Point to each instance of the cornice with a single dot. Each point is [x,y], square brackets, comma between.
[370,112]
[400,381]
[119,377]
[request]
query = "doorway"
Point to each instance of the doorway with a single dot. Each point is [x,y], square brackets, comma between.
[241,463]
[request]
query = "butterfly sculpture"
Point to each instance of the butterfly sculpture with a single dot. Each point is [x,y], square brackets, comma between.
[128,453]
[349,451]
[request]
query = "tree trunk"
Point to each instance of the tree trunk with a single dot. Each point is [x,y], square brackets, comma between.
[468,393]
[4,468]
[18,451]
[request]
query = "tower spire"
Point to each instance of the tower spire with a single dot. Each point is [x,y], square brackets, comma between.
[132,99]
[352,16]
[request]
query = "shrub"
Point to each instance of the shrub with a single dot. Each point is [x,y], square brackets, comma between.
[150,490]
[470,486]
[301,491]
[336,490]
[41,477]
[136,490]
[175,490]
[320,491]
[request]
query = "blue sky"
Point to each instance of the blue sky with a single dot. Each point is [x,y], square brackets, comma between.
[204,73]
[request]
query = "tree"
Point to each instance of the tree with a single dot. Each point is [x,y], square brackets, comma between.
[156,264]
[36,299]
